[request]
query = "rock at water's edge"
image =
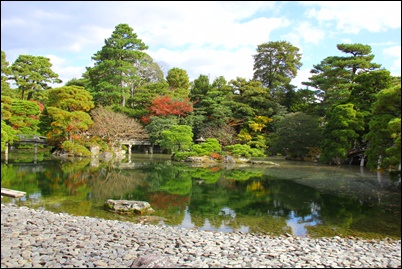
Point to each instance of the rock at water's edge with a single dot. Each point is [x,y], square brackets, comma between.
[128,207]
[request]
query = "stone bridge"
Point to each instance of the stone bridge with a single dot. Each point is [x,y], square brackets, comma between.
[136,142]
[31,139]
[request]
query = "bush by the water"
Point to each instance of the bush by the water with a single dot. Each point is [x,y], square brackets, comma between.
[75,149]
[240,150]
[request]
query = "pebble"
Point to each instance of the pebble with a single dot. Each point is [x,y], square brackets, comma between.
[34,238]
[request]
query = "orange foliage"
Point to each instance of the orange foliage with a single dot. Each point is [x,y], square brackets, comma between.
[215,155]
[41,106]
[163,106]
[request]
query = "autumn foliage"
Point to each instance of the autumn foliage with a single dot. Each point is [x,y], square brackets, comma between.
[165,106]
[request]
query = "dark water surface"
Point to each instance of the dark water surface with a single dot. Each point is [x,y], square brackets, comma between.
[303,199]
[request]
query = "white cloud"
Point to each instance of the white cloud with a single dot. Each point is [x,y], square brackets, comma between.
[60,66]
[309,33]
[213,63]
[303,75]
[394,53]
[353,16]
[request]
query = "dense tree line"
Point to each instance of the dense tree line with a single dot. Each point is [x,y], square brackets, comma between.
[349,104]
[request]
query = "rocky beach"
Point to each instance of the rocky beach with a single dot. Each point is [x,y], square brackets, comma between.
[41,239]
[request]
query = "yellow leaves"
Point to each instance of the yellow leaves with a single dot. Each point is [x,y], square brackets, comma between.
[244,135]
[259,123]
[256,127]
[263,119]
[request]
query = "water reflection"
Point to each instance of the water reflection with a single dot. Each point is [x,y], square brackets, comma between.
[292,197]
[298,224]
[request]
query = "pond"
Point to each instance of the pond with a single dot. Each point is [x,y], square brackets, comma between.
[298,198]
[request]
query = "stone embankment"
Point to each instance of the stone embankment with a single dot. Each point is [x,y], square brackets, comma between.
[36,238]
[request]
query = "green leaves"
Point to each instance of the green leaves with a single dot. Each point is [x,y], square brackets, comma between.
[116,66]
[297,133]
[71,98]
[177,138]
[67,113]
[340,132]
[276,64]
[8,135]
[24,116]
[33,73]
[385,130]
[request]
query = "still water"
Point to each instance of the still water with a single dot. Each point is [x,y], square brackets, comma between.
[303,199]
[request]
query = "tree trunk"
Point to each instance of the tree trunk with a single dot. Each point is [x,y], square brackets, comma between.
[123,98]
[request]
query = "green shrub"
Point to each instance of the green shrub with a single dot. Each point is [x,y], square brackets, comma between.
[75,149]
[242,150]
[254,152]
[208,147]
[97,141]
[182,155]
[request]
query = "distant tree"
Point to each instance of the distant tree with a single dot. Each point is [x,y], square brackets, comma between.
[301,100]
[179,83]
[116,67]
[115,126]
[32,74]
[199,88]
[219,83]
[147,72]
[298,133]
[256,100]
[276,64]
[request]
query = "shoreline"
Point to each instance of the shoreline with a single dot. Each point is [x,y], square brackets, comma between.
[39,238]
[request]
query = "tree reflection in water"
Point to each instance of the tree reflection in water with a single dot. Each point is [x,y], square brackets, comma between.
[292,197]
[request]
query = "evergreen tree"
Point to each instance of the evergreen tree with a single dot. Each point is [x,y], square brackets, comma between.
[340,133]
[275,65]
[32,74]
[116,67]
[5,75]
[384,137]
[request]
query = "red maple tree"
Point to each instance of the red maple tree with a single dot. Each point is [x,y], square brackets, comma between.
[164,106]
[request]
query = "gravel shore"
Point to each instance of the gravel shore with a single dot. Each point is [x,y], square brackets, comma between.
[36,238]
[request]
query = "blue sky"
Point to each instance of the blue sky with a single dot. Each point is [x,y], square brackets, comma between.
[210,38]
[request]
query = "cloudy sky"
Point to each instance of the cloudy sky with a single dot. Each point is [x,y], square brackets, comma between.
[209,38]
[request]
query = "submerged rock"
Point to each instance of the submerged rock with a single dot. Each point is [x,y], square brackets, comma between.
[128,207]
